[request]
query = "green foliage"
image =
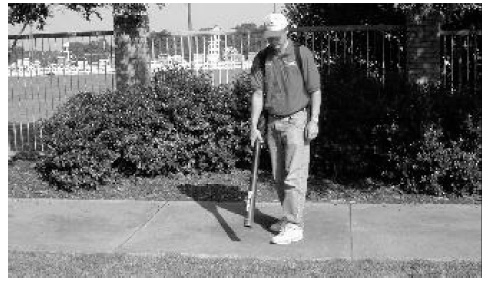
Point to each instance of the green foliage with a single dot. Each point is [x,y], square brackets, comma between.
[425,139]
[162,34]
[352,105]
[131,23]
[358,46]
[248,28]
[183,125]
[37,13]
[92,133]
[457,15]
[455,9]
[437,166]
[434,142]
[324,14]
[99,49]
[30,13]
[210,121]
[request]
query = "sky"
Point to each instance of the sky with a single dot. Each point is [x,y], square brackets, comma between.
[172,17]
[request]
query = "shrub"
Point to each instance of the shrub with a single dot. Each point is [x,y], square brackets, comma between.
[93,135]
[352,105]
[424,138]
[431,142]
[437,166]
[212,122]
[183,124]
[427,139]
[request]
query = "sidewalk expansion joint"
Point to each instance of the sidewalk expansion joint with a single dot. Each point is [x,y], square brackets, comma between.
[159,207]
[351,230]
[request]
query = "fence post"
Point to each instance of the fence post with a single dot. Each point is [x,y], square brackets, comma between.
[423,46]
[131,51]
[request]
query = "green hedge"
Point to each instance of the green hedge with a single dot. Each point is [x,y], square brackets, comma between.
[425,139]
[434,142]
[181,125]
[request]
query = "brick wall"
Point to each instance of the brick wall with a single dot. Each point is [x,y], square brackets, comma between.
[423,48]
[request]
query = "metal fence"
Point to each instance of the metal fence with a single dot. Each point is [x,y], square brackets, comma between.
[43,72]
[46,69]
[40,79]
[461,58]
[378,49]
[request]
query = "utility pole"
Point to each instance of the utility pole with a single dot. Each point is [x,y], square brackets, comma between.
[190,25]
[274,7]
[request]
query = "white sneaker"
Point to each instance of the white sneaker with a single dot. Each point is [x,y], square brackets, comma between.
[290,233]
[278,226]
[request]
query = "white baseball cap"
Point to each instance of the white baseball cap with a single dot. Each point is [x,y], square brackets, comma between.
[275,24]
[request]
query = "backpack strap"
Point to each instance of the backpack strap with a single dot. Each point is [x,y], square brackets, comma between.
[298,59]
[263,118]
[262,62]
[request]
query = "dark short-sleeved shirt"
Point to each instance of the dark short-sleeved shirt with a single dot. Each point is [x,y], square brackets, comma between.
[285,90]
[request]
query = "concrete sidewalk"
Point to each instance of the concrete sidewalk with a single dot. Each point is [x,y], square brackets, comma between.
[437,232]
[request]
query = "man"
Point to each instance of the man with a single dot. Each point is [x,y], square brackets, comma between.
[291,97]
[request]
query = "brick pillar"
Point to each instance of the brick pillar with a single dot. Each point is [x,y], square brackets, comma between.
[423,47]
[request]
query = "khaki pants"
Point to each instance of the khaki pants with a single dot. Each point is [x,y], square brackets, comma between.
[290,157]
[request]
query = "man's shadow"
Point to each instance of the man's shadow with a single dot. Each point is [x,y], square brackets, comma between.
[214,196]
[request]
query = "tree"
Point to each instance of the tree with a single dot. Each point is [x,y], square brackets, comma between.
[324,14]
[456,15]
[92,51]
[248,28]
[359,47]
[37,13]
[162,34]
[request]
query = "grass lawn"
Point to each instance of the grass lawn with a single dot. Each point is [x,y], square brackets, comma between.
[43,264]
[24,182]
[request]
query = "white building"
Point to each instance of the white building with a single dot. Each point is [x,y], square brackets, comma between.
[214,47]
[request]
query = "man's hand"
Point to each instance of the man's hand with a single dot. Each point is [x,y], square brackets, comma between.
[255,135]
[311,130]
